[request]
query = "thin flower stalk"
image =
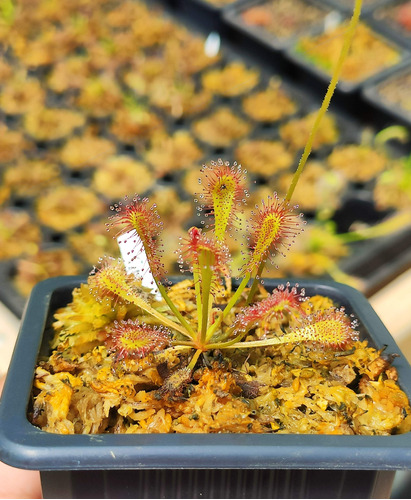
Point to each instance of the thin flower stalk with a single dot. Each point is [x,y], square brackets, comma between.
[349,35]
[208,261]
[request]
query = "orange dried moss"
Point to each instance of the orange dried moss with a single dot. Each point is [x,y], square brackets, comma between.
[82,388]
[120,174]
[12,144]
[233,80]
[86,151]
[269,105]
[21,95]
[358,163]
[168,154]
[44,264]
[19,235]
[47,124]
[369,53]
[32,177]
[135,125]
[295,132]
[264,157]
[221,128]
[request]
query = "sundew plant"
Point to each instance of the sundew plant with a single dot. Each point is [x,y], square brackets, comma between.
[204,253]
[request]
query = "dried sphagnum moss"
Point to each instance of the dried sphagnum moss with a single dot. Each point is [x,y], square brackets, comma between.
[269,105]
[19,234]
[135,126]
[290,388]
[12,143]
[31,177]
[120,173]
[42,265]
[86,151]
[358,163]
[232,80]
[21,94]
[66,207]
[49,124]
[369,52]
[179,98]
[264,157]
[221,128]
[170,153]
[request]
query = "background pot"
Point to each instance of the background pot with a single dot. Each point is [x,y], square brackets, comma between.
[195,465]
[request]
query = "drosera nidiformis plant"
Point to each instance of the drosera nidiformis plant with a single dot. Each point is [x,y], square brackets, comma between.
[271,230]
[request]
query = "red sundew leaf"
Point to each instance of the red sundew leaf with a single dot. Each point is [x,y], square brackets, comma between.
[331,328]
[272,223]
[132,340]
[139,221]
[223,193]
[198,243]
[110,279]
[282,299]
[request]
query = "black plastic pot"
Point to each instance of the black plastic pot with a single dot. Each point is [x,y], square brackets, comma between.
[195,465]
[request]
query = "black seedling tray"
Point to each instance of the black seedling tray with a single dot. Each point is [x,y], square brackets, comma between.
[345,86]
[210,16]
[9,295]
[233,17]
[371,92]
[347,6]
[390,258]
[390,27]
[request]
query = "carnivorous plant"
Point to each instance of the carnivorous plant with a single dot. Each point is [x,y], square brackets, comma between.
[272,228]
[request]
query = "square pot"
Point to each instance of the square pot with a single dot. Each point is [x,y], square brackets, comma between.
[195,465]
[345,85]
[388,19]
[375,91]
[234,17]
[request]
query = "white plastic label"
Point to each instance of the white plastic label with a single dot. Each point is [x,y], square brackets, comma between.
[135,260]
